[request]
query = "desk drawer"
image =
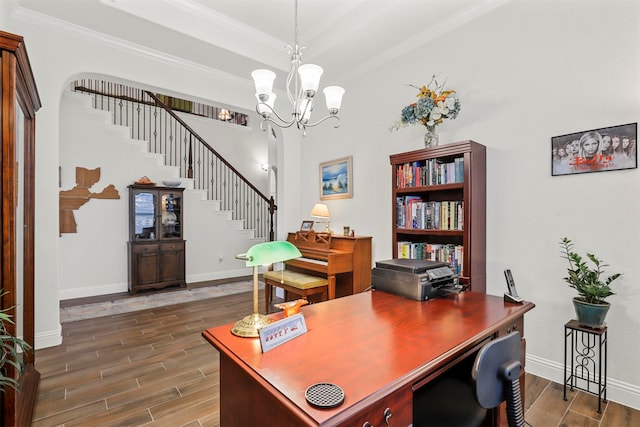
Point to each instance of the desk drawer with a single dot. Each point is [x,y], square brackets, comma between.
[399,404]
[516,325]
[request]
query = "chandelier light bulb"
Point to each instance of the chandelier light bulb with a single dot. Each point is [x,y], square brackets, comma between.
[333,96]
[310,78]
[263,80]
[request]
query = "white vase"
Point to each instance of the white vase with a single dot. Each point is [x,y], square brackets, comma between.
[430,137]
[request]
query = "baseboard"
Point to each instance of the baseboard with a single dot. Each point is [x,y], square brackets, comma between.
[93,291]
[116,288]
[205,277]
[617,391]
[50,338]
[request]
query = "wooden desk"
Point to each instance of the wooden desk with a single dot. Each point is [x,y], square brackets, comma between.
[376,346]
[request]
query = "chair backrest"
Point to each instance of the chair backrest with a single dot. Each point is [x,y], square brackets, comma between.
[496,374]
[448,401]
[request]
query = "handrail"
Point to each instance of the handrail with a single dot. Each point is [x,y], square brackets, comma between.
[135,108]
[199,138]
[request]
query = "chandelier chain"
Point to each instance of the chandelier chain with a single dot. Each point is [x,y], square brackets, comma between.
[295,24]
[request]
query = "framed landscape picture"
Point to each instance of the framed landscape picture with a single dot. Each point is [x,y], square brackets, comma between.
[597,150]
[336,179]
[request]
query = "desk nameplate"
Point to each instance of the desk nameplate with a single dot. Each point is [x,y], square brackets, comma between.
[281,331]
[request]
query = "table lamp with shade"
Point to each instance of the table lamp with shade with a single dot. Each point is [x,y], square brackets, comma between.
[321,211]
[261,254]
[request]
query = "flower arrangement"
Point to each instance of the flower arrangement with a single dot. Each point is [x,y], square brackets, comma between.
[433,106]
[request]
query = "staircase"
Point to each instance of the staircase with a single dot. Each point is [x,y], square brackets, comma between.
[152,119]
[213,233]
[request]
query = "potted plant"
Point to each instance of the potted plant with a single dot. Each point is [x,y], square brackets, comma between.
[590,305]
[10,350]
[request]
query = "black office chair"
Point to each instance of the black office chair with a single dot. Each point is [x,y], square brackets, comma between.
[454,401]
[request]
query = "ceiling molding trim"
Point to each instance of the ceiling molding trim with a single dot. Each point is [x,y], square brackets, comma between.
[424,37]
[228,23]
[80,32]
[194,20]
[319,34]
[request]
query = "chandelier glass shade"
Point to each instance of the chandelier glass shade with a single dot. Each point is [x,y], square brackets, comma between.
[302,86]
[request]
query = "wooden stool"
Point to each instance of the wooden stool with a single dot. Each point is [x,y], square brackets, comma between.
[296,283]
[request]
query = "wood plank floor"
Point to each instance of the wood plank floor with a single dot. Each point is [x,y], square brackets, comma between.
[152,367]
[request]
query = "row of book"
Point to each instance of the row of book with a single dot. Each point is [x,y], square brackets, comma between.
[451,254]
[429,172]
[414,213]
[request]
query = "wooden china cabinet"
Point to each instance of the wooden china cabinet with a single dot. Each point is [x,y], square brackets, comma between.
[20,101]
[156,245]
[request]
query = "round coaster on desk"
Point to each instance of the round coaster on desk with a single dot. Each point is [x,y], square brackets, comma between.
[324,395]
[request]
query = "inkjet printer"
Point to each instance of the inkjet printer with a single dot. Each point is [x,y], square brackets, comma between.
[414,278]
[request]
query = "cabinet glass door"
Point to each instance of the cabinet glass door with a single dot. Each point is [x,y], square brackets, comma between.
[171,208]
[144,216]
[19,218]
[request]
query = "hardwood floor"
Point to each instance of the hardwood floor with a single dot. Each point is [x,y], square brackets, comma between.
[152,367]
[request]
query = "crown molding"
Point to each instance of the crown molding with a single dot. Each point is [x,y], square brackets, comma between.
[77,31]
[202,23]
[420,38]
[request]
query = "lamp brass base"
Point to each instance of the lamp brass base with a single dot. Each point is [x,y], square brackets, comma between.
[248,327]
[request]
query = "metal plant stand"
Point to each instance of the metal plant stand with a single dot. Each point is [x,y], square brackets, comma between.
[587,357]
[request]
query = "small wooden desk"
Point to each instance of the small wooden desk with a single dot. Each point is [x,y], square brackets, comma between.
[378,347]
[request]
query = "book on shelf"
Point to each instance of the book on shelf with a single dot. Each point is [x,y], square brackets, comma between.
[413,213]
[449,253]
[400,212]
[429,172]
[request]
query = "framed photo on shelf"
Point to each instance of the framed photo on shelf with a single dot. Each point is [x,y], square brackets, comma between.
[336,179]
[597,150]
[306,226]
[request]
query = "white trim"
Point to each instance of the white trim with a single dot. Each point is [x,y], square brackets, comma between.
[196,278]
[420,38]
[80,32]
[50,338]
[203,23]
[113,288]
[617,391]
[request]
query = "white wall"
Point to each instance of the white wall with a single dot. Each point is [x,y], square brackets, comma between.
[59,52]
[524,73]
[87,139]
[4,13]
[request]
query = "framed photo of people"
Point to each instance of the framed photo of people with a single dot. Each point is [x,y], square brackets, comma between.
[597,150]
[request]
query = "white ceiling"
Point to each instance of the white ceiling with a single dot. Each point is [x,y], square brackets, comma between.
[345,37]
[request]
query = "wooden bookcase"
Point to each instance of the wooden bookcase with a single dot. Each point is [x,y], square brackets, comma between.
[420,175]
[156,245]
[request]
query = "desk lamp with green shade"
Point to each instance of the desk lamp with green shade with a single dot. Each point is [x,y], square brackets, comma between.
[261,254]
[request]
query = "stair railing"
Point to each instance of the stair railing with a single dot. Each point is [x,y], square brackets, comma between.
[151,120]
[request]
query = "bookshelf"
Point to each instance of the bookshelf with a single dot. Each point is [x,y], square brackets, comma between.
[439,205]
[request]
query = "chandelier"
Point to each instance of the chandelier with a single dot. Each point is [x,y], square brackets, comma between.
[302,85]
